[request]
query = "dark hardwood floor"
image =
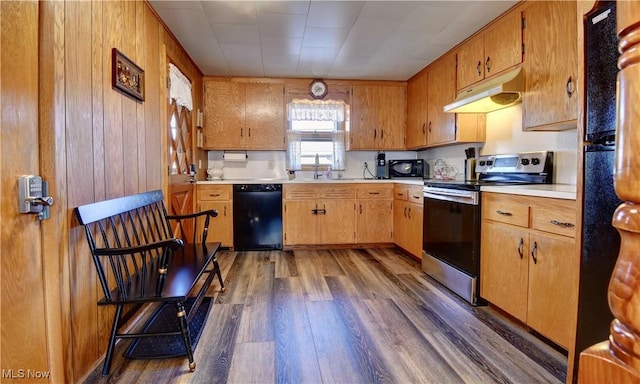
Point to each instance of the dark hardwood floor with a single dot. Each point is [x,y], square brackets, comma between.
[345,316]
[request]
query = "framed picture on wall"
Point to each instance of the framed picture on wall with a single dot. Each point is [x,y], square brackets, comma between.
[126,76]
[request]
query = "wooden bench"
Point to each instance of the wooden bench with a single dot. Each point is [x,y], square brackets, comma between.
[139,261]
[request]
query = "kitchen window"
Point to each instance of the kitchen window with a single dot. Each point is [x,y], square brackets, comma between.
[316,128]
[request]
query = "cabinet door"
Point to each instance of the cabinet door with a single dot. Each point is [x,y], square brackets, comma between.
[364,117]
[264,111]
[374,224]
[223,115]
[553,282]
[300,224]
[392,111]
[417,112]
[471,62]
[220,227]
[413,229]
[504,267]
[503,44]
[441,91]
[550,65]
[400,224]
[337,221]
[470,127]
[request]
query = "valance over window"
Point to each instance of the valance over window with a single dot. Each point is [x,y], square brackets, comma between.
[316,110]
[180,88]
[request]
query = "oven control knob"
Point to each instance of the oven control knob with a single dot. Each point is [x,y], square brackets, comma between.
[535,161]
[524,161]
[489,162]
[482,162]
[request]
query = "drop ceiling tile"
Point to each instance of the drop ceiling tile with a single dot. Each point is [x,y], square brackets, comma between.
[172,4]
[333,14]
[324,37]
[324,55]
[297,7]
[237,34]
[429,17]
[359,48]
[274,24]
[279,65]
[239,54]
[230,12]
[281,45]
[386,10]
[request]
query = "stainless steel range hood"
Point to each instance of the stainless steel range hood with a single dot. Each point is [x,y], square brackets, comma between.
[490,95]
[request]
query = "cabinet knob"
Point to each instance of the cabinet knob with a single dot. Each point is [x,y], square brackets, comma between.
[478,67]
[487,64]
[503,213]
[561,224]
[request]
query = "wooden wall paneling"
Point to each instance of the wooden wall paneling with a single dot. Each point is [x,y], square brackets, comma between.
[99,69]
[141,58]
[77,95]
[114,163]
[153,89]
[129,105]
[23,336]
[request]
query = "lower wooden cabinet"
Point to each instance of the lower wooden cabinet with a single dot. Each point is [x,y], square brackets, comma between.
[407,218]
[220,198]
[319,214]
[529,264]
[374,208]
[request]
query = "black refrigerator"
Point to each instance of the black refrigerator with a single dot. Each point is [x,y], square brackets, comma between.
[600,240]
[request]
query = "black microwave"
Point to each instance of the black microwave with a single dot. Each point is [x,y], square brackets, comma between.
[408,168]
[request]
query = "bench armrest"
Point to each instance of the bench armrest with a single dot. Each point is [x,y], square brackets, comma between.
[210,212]
[173,244]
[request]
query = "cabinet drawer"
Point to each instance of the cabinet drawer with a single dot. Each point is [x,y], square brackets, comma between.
[505,209]
[401,192]
[554,216]
[214,192]
[314,191]
[415,194]
[381,192]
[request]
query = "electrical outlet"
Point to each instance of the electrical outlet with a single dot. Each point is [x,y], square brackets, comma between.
[270,164]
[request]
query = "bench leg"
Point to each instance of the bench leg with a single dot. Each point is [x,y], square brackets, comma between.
[184,328]
[216,271]
[112,341]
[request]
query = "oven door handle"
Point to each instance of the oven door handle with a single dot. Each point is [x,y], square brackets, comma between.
[456,198]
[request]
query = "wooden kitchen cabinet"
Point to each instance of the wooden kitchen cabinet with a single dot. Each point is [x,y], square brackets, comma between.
[495,49]
[220,198]
[374,210]
[417,117]
[441,126]
[427,124]
[528,261]
[378,116]
[407,218]
[550,66]
[319,214]
[243,115]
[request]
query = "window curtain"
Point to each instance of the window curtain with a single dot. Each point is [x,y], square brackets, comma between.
[316,110]
[180,88]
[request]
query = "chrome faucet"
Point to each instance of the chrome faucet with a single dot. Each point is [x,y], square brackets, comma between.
[316,174]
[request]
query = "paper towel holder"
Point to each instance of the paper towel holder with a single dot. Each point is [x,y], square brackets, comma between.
[235,156]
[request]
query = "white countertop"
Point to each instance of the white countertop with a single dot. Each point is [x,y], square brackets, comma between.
[557,191]
[305,180]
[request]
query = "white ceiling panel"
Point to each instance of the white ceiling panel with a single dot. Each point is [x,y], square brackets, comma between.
[382,40]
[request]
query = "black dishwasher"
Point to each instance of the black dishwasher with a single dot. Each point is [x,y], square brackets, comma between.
[257,217]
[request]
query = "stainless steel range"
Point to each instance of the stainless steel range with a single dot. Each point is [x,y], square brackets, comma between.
[452,217]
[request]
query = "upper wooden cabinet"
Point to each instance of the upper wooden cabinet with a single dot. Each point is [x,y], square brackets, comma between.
[417,118]
[550,66]
[441,90]
[427,124]
[243,115]
[378,115]
[492,51]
